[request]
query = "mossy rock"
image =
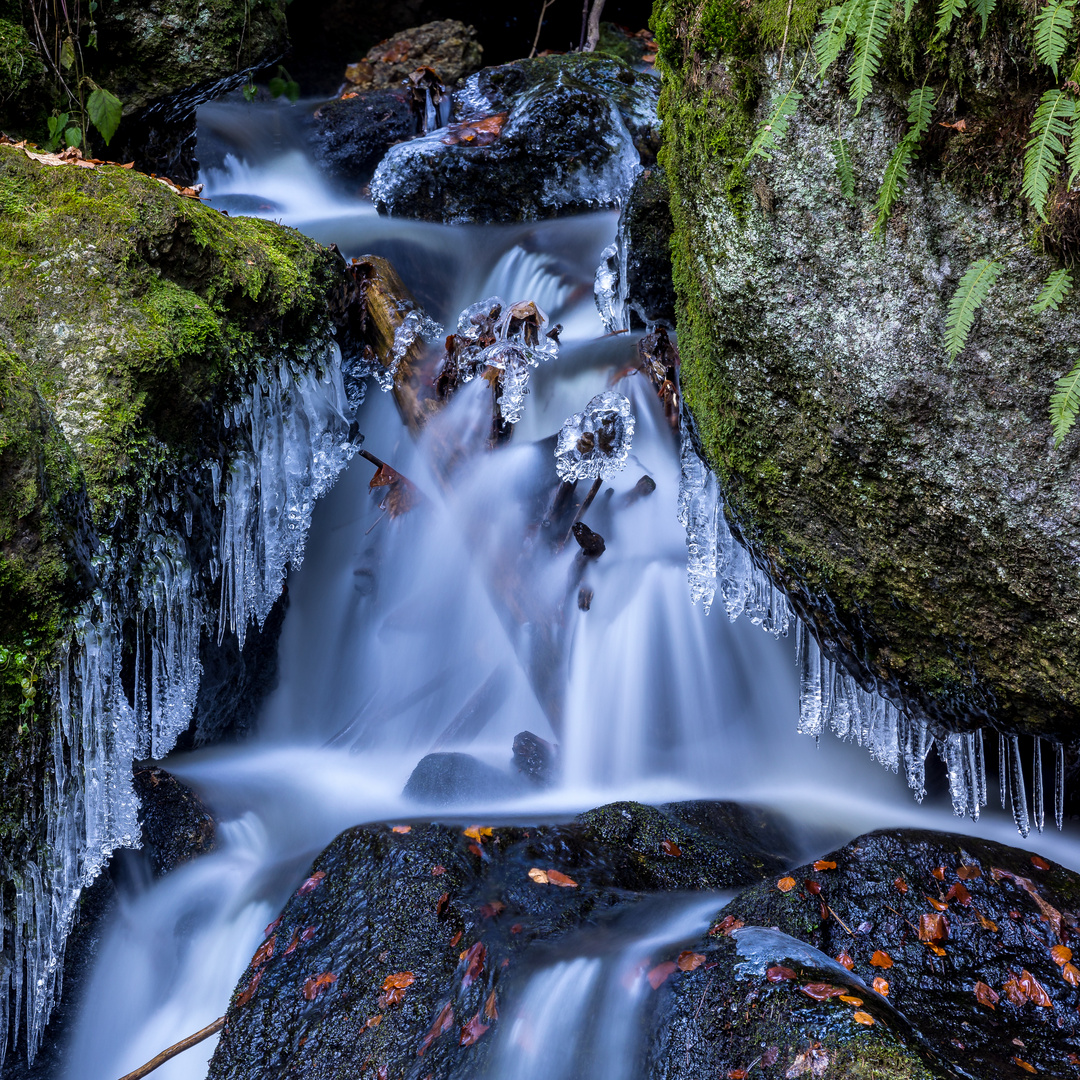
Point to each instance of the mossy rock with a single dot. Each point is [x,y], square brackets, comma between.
[916,511]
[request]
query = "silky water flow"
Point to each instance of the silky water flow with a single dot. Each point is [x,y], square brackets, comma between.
[394,626]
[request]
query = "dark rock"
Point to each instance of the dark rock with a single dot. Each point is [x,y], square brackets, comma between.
[349,137]
[442,779]
[435,903]
[176,824]
[1002,910]
[556,134]
[536,758]
[447,46]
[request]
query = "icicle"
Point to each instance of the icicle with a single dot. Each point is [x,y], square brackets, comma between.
[1059,785]
[980,768]
[916,745]
[699,514]
[1003,775]
[1017,789]
[1038,800]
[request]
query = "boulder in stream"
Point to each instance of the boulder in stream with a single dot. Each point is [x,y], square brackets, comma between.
[446,46]
[349,136]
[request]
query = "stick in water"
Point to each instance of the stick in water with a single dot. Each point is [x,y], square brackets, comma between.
[177,1048]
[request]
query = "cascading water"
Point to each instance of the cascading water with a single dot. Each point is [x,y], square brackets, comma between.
[450,627]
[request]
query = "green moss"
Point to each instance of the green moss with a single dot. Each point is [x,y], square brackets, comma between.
[18,63]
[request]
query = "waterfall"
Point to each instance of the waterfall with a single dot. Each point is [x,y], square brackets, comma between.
[290,434]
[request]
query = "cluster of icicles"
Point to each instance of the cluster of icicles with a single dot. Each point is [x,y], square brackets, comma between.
[291,438]
[830,698]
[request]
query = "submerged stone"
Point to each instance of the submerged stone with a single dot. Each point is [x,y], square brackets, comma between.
[443,779]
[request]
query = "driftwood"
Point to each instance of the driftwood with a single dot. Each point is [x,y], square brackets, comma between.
[176,1048]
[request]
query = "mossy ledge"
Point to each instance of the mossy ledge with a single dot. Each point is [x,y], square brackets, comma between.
[131,319]
[917,513]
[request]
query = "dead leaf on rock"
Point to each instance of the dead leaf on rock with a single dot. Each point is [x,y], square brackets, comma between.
[844,960]
[1039,862]
[245,995]
[901,885]
[959,892]
[778,973]
[476,132]
[474,964]
[824,864]
[1071,974]
[862,1018]
[659,974]
[881,986]
[881,959]
[968,873]
[786,884]
[1026,1066]
[264,951]
[689,960]
[551,877]
[311,883]
[491,1009]
[812,1062]
[1061,954]
[472,1031]
[821,991]
[401,829]
[669,847]
[933,928]
[318,984]
[726,925]
[986,995]
[443,1023]
[849,999]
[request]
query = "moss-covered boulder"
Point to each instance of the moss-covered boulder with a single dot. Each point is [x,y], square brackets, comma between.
[916,510]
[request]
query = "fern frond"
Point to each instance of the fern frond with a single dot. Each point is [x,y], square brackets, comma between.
[1064,404]
[869,36]
[844,172]
[947,11]
[1073,159]
[775,128]
[909,7]
[838,24]
[1053,291]
[1042,157]
[984,9]
[1053,27]
[969,297]
[920,107]
[892,184]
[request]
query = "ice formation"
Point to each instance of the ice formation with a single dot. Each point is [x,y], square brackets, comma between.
[595,443]
[831,699]
[291,435]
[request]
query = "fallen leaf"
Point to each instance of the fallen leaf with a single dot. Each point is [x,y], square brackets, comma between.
[737,1074]
[959,892]
[821,991]
[555,878]
[1071,974]
[443,1023]
[474,964]
[844,960]
[862,1018]
[939,872]
[968,873]
[472,1031]
[441,905]
[476,850]
[307,933]
[1034,990]
[476,132]
[901,885]
[812,1061]
[516,928]
[293,942]
[264,951]
[273,926]
[726,925]
[489,911]
[491,1010]
[455,939]
[824,864]
[312,883]
[1025,1065]
[881,959]
[401,829]
[985,923]
[373,1022]
[986,995]
[933,928]
[786,884]
[245,995]
[937,950]
[318,984]
[399,980]
[399,499]
[477,832]
[1061,954]
[849,999]
[669,847]
[1049,913]
[538,875]
[881,986]
[778,973]
[812,887]
[659,974]
[1039,862]
[689,961]
[959,125]
[438,870]
[937,905]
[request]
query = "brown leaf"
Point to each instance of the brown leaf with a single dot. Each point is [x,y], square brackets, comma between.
[786,884]
[1061,954]
[821,991]
[659,974]
[476,132]
[472,1031]
[939,872]
[814,1062]
[844,959]
[824,864]
[293,942]
[901,885]
[958,891]
[399,980]
[307,933]
[455,939]
[968,873]
[318,984]
[474,964]
[443,1023]
[959,125]
[400,495]
[1026,1066]
[442,904]
[862,1018]
[689,961]
[812,887]
[985,995]
[245,995]
[1049,913]
[738,1074]
[489,911]
[312,883]
[538,875]
[881,986]
[778,973]
[669,847]
[933,928]
[273,926]
[881,959]
[264,951]
[491,1009]
[937,905]
[1034,990]
[438,870]
[1071,974]
[373,1022]
[726,925]
[985,923]
[1039,862]
[1016,993]
[555,878]
[401,829]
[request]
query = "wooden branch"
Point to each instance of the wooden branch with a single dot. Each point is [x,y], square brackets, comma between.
[176,1048]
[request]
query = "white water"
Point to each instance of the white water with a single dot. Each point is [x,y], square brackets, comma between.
[394,625]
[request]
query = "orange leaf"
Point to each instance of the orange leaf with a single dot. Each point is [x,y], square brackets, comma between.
[245,995]
[901,885]
[985,995]
[443,1023]
[472,1031]
[786,884]
[1034,990]
[491,1009]
[399,980]
[937,905]
[1061,954]
[726,925]
[477,832]
[555,878]
[312,883]
[968,873]
[1071,974]
[821,991]
[690,961]
[862,1018]
[881,986]
[474,964]
[401,829]
[476,132]
[539,876]
[669,847]
[1039,862]
[959,893]
[939,872]
[844,959]
[659,974]
[318,984]
[737,1074]
[1025,1065]
[824,864]
[273,926]
[848,999]
[881,959]
[985,923]
[264,951]
[778,973]
[293,942]
[455,939]
[933,928]
[489,911]
[373,1021]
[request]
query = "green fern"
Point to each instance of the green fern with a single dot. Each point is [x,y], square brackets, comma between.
[844,172]
[1053,28]
[866,59]
[775,128]
[909,7]
[1053,291]
[947,11]
[838,24]
[920,109]
[1064,404]
[1073,159]
[969,297]
[984,9]
[1042,157]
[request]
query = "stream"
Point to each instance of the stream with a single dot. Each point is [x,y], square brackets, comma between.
[392,631]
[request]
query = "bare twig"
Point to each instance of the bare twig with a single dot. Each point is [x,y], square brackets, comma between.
[593,38]
[840,921]
[783,44]
[539,26]
[588,500]
[176,1048]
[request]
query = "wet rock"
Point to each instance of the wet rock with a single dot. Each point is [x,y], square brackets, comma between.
[536,759]
[447,46]
[442,779]
[348,137]
[395,954]
[552,135]
[176,824]
[972,940]
[634,289]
